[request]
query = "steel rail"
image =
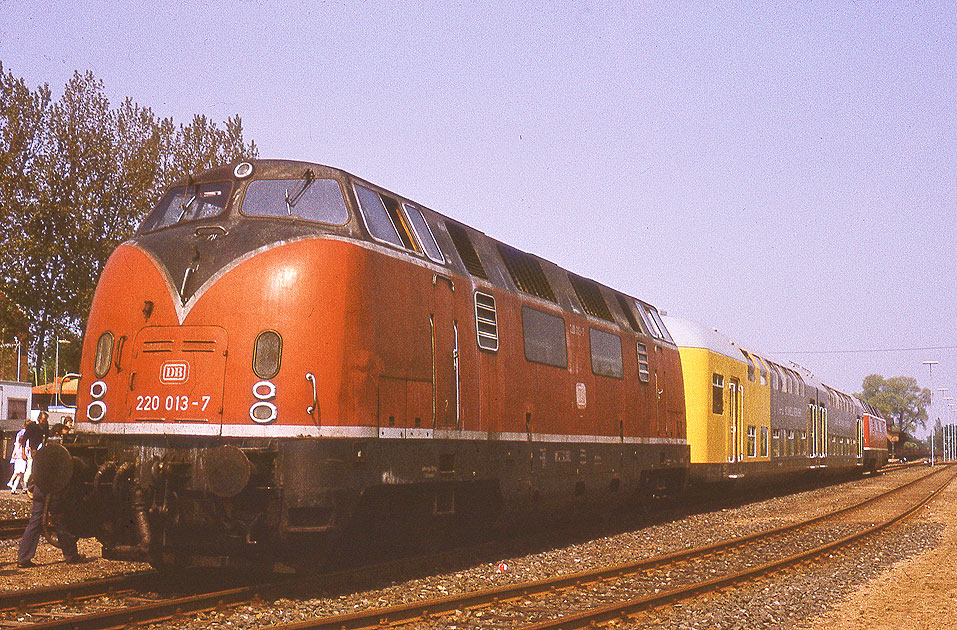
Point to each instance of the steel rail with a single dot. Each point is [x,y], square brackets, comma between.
[42,595]
[410,612]
[623,611]
[155,612]
[176,608]
[12,527]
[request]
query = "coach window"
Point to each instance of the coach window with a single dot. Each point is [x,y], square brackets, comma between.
[764,441]
[752,441]
[306,198]
[377,217]
[605,353]
[776,378]
[762,369]
[750,366]
[545,340]
[424,233]
[717,394]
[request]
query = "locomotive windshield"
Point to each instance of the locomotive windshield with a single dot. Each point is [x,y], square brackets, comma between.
[307,198]
[188,203]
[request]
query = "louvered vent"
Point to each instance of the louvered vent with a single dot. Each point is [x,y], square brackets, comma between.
[527,273]
[629,314]
[590,297]
[467,253]
[486,322]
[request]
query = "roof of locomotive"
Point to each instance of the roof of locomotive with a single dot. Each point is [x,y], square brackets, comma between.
[280,169]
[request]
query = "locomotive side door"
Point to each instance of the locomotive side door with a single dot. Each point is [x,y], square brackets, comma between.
[445,355]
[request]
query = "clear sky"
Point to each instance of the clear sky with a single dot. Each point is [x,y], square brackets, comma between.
[784,172]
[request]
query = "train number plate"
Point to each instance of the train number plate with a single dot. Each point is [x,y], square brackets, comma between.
[171,403]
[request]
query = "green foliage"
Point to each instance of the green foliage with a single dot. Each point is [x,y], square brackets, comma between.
[76,178]
[899,399]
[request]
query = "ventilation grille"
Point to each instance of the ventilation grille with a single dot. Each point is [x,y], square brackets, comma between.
[527,273]
[467,253]
[623,303]
[486,321]
[590,297]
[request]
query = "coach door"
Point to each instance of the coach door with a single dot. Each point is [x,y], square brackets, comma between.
[736,421]
[860,438]
[445,355]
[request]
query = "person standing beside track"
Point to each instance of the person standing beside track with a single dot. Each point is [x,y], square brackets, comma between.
[19,461]
[33,441]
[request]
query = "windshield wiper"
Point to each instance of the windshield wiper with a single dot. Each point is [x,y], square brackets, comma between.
[184,207]
[291,202]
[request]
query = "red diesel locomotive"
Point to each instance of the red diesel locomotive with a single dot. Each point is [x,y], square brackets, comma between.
[285,354]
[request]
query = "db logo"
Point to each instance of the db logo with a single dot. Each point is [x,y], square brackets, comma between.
[174,372]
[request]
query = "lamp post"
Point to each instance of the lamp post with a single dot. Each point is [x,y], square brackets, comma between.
[948,401]
[933,427]
[951,433]
[930,366]
[56,370]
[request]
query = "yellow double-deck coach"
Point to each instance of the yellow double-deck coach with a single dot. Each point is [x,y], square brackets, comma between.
[752,419]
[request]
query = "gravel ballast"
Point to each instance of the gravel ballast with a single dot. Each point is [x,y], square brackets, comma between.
[781,601]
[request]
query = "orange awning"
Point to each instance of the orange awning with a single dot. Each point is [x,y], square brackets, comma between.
[49,389]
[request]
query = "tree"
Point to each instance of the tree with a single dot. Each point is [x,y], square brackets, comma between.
[899,400]
[76,178]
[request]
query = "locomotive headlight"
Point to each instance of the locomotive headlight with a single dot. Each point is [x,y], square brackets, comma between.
[264,390]
[243,170]
[264,411]
[96,411]
[98,390]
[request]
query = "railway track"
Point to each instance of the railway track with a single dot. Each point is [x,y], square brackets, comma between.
[128,594]
[511,604]
[12,527]
[130,589]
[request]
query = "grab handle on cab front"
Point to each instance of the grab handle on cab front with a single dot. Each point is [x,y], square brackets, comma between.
[313,409]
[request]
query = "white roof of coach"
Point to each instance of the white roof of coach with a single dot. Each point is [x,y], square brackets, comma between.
[689,334]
